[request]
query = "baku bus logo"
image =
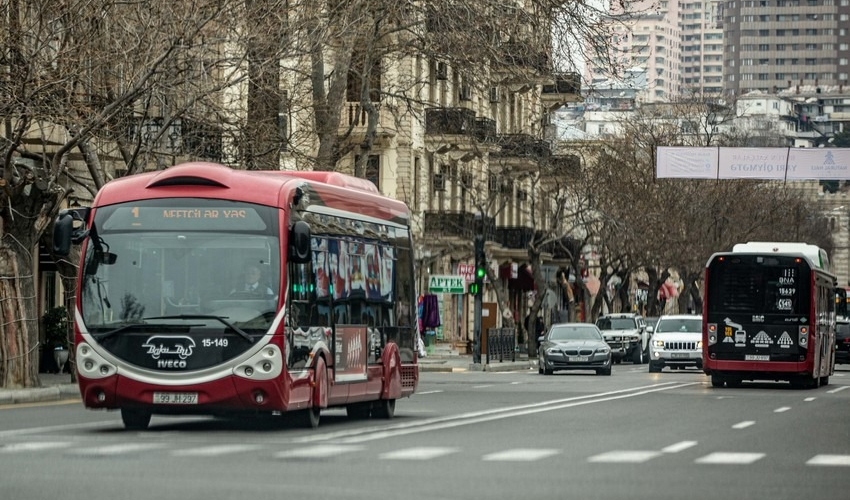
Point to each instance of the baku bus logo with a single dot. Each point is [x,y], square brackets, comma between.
[180,346]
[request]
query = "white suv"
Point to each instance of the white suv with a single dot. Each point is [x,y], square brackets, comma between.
[676,342]
[626,334]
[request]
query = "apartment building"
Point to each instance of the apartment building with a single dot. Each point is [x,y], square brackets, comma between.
[701,25]
[777,44]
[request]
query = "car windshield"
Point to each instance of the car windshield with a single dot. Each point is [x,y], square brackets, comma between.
[616,323]
[693,325]
[574,333]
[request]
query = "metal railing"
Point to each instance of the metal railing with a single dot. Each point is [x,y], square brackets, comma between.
[501,344]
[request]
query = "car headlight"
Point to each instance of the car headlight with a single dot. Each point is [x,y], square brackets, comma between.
[699,344]
[658,343]
[602,350]
[552,350]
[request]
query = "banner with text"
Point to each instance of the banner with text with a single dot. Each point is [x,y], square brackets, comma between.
[776,164]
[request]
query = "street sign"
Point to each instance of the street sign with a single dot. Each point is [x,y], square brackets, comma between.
[446,283]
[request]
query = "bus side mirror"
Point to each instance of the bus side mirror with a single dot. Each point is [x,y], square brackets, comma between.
[299,243]
[62,229]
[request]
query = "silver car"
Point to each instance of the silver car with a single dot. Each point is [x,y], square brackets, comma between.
[676,342]
[574,346]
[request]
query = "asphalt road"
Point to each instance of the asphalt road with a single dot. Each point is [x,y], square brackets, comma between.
[465,435]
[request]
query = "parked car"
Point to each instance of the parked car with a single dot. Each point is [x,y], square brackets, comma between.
[574,346]
[676,342]
[626,334]
[842,340]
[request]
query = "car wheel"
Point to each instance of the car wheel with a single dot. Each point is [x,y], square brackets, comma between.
[604,371]
[547,371]
[653,368]
[637,356]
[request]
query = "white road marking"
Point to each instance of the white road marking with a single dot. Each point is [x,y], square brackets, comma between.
[428,392]
[808,400]
[782,409]
[681,446]
[729,458]
[482,386]
[744,424]
[117,449]
[519,455]
[420,453]
[51,428]
[840,460]
[318,451]
[16,447]
[624,456]
[215,451]
[516,383]
[838,389]
[431,424]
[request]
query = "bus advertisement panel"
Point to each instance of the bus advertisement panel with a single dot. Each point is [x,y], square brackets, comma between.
[768,315]
[207,290]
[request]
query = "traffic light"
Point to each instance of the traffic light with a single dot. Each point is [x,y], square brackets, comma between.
[480,266]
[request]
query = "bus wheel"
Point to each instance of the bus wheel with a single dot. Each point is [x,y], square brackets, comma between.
[309,418]
[135,420]
[824,381]
[384,408]
[717,381]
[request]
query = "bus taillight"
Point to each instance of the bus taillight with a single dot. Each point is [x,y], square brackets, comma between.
[712,333]
[803,338]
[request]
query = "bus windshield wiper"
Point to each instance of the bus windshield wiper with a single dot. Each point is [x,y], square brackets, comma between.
[223,321]
[140,326]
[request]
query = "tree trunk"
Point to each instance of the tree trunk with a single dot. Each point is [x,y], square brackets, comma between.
[19,353]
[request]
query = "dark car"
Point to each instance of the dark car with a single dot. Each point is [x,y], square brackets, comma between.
[842,341]
[574,346]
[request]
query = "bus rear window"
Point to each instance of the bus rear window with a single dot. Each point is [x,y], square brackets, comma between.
[759,285]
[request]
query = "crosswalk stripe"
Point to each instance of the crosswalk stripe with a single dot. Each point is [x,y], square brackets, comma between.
[840,460]
[729,458]
[214,451]
[318,451]
[519,455]
[16,447]
[421,453]
[624,456]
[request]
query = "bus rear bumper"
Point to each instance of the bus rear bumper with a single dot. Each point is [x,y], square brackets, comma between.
[756,370]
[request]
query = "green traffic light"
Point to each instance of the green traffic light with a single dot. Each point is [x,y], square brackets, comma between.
[473,288]
[479,272]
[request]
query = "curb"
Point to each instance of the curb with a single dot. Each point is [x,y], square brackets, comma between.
[40,394]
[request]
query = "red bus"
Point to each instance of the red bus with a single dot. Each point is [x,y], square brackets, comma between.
[769,314]
[164,325]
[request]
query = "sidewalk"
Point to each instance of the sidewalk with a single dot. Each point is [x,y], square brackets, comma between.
[58,386]
[439,362]
[54,387]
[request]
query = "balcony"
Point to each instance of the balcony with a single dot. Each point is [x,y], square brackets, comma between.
[515,237]
[356,120]
[564,89]
[522,146]
[456,224]
[485,130]
[450,121]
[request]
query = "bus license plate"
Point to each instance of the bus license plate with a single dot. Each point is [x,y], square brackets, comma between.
[578,359]
[175,398]
[757,357]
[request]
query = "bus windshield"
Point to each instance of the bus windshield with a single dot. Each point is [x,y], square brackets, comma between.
[184,264]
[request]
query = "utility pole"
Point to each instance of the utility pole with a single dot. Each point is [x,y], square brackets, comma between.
[476,288]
